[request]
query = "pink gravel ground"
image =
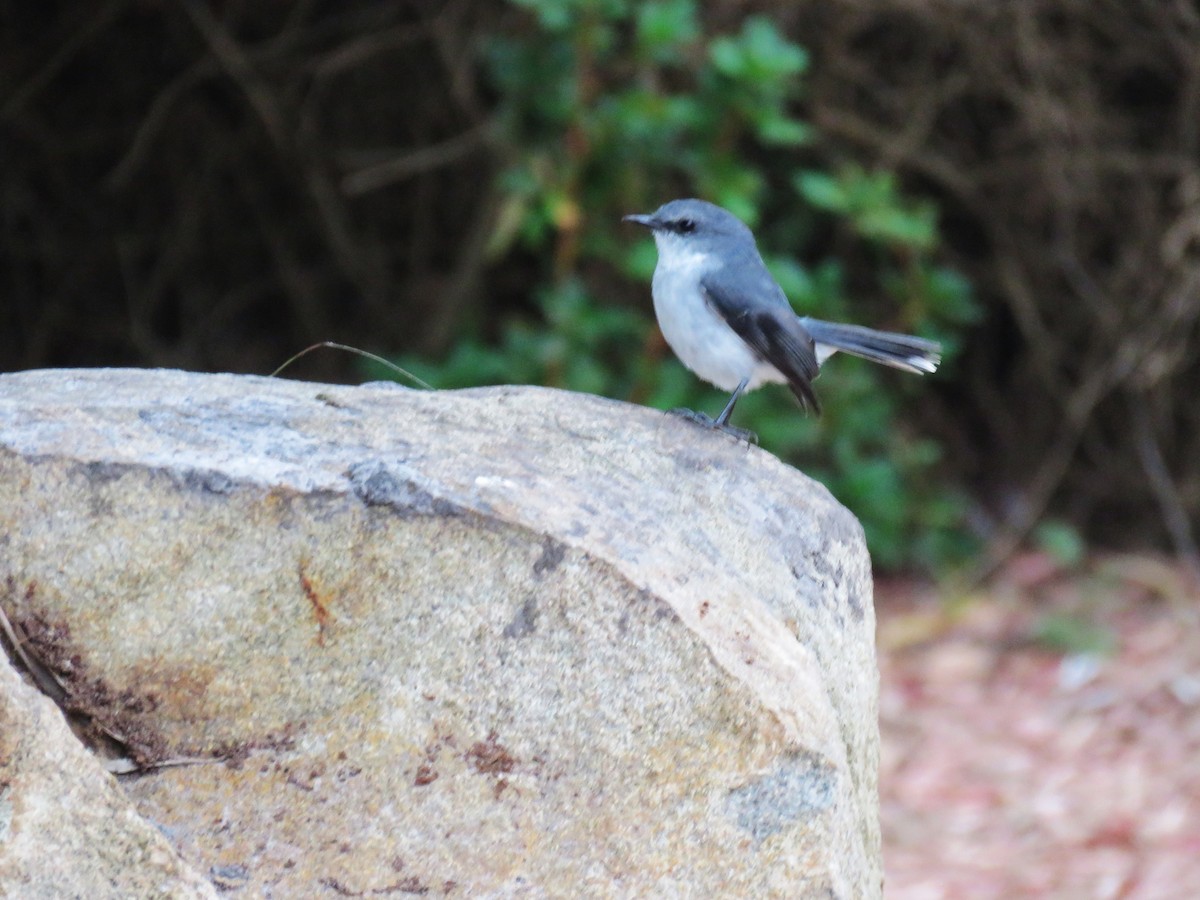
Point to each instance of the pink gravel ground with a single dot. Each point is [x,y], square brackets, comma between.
[1017,760]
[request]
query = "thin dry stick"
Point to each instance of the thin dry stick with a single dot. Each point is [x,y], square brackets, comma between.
[60,59]
[1175,517]
[15,642]
[371,356]
[48,681]
[415,162]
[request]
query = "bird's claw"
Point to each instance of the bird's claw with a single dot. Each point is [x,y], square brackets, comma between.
[707,421]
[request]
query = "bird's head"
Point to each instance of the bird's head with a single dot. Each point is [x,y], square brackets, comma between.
[693,224]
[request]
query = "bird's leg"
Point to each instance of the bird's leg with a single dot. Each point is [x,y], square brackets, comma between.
[723,418]
[721,422]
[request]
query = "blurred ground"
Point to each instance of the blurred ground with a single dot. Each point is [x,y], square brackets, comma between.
[1042,738]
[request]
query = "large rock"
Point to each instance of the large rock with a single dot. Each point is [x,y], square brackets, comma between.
[499,642]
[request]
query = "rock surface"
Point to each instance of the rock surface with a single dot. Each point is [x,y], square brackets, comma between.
[499,642]
[66,828]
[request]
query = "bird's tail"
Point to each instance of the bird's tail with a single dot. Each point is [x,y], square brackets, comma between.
[900,351]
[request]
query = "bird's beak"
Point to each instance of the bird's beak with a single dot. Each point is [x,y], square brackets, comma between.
[644,221]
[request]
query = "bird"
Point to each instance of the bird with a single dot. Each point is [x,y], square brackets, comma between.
[731,324]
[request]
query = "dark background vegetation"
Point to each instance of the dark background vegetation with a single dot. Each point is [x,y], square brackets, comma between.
[216,185]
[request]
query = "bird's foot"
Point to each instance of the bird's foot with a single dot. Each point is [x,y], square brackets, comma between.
[707,421]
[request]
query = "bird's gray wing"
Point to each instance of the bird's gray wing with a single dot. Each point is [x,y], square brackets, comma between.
[758,311]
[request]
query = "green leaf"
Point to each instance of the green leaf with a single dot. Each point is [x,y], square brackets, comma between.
[913,228]
[1060,541]
[770,51]
[728,57]
[664,27]
[822,190]
[783,132]
[758,55]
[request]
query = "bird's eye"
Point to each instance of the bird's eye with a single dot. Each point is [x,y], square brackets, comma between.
[685,226]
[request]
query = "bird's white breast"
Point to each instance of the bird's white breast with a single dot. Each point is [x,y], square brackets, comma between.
[694,330]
